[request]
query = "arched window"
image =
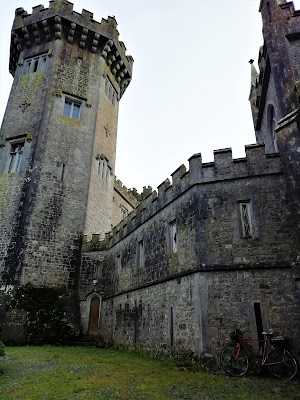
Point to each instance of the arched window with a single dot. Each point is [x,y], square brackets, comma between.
[271,128]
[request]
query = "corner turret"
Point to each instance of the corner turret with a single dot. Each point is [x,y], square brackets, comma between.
[59,21]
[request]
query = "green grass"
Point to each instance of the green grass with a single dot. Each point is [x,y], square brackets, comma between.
[50,373]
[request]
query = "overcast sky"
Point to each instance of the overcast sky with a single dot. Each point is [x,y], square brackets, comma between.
[191,79]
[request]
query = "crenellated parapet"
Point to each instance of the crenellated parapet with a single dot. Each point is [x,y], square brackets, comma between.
[126,193]
[222,169]
[58,22]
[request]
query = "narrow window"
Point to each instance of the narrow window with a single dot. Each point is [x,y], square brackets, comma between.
[35,66]
[67,108]
[124,212]
[173,237]
[16,153]
[110,91]
[246,219]
[63,167]
[108,171]
[140,255]
[76,111]
[118,263]
[104,168]
[271,128]
[28,64]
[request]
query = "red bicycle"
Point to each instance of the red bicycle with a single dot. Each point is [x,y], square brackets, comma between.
[280,362]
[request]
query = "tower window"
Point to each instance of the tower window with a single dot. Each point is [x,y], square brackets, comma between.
[35,64]
[72,109]
[124,212]
[104,170]
[16,153]
[110,91]
[245,213]
[271,128]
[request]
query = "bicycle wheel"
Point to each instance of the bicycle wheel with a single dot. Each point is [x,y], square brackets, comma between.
[285,365]
[234,363]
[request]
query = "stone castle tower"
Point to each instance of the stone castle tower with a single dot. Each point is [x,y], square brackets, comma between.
[217,246]
[58,140]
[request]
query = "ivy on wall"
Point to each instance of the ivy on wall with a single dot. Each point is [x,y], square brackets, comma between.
[45,310]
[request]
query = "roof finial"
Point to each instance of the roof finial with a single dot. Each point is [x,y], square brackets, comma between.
[254,73]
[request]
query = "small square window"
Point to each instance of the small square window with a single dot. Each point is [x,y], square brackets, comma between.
[72,109]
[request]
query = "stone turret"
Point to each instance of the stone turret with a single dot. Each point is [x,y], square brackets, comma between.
[58,142]
[59,21]
[277,92]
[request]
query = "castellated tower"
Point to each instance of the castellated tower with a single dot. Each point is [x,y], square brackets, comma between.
[275,94]
[58,141]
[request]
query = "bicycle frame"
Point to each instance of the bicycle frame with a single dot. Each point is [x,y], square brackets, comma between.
[267,349]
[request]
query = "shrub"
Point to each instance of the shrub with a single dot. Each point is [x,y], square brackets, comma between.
[1,349]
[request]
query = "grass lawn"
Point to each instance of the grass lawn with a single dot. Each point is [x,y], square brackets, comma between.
[50,373]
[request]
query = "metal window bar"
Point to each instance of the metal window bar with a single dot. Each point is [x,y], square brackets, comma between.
[246,221]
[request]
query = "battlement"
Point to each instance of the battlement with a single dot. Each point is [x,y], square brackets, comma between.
[59,21]
[126,193]
[223,168]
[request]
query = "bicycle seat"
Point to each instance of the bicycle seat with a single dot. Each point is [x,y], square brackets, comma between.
[268,333]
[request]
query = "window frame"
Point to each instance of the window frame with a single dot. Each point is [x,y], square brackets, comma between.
[71,101]
[124,212]
[33,64]
[173,235]
[110,91]
[245,209]
[15,157]
[140,254]
[271,122]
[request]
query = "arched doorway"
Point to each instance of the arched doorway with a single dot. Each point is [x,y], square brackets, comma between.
[94,316]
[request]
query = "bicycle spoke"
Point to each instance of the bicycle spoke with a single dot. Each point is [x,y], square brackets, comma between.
[234,361]
[283,364]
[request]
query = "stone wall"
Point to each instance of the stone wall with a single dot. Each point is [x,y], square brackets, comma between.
[195,313]
[45,218]
[173,300]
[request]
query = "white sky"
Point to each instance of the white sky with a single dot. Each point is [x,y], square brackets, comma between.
[191,79]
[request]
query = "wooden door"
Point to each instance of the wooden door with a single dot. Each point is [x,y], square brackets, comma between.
[94,316]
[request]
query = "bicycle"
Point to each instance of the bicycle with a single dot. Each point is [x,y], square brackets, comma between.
[280,362]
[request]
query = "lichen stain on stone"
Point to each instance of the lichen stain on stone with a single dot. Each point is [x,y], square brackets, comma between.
[5,187]
[70,121]
[256,152]
[292,141]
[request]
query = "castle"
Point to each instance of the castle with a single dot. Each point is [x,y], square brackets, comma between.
[171,271]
